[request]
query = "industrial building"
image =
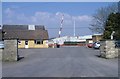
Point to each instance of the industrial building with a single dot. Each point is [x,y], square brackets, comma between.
[77,39]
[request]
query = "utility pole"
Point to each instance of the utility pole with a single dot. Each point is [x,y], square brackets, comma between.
[74,28]
[61,25]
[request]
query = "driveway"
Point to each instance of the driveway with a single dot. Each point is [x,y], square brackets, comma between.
[61,62]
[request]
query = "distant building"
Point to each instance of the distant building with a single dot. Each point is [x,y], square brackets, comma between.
[97,37]
[29,36]
[63,39]
[89,41]
[80,39]
[85,37]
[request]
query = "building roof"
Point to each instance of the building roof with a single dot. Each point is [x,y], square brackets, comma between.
[23,33]
[21,27]
[89,39]
[97,34]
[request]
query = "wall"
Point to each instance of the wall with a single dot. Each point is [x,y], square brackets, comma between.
[96,38]
[10,52]
[89,41]
[44,45]
[31,44]
[108,49]
[22,45]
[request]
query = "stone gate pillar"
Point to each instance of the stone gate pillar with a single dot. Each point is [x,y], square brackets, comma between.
[10,52]
[108,49]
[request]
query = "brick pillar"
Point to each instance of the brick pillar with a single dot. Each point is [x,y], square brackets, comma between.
[102,48]
[10,52]
[1,53]
[108,49]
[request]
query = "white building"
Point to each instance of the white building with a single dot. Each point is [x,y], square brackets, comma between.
[61,40]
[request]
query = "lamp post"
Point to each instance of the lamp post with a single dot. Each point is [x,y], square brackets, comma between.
[74,27]
[112,34]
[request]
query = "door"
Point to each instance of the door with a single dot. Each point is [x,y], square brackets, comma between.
[26,44]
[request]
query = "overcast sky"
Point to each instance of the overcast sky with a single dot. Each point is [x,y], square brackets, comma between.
[50,13]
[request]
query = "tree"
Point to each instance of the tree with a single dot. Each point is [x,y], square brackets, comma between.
[100,17]
[112,24]
[117,27]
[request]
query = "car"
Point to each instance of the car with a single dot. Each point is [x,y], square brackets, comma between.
[57,45]
[96,45]
[90,45]
[1,44]
[117,44]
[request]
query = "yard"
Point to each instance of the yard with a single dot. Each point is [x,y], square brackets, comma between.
[61,62]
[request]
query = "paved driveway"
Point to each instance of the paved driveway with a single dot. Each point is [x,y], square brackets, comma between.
[61,62]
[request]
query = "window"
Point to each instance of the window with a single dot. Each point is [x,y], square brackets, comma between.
[38,42]
[26,42]
[19,42]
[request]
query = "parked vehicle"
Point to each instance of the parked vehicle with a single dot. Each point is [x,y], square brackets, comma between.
[51,44]
[57,45]
[117,44]
[90,45]
[1,44]
[96,45]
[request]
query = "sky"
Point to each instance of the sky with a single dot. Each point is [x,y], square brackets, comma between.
[49,14]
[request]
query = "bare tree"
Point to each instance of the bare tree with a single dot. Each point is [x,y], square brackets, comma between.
[100,17]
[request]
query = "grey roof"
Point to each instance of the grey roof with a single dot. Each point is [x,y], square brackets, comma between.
[15,27]
[39,27]
[22,32]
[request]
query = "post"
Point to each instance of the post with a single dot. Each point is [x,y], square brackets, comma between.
[61,23]
[10,52]
[74,27]
[112,35]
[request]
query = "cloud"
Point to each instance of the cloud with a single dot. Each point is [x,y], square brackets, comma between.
[42,17]
[9,12]
[45,17]
[50,20]
[84,18]
[0,14]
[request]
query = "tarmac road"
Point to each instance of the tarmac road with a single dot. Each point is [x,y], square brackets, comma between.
[61,62]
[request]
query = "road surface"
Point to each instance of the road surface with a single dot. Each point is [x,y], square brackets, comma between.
[61,62]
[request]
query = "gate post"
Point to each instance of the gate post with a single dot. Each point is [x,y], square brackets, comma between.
[108,49]
[10,52]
